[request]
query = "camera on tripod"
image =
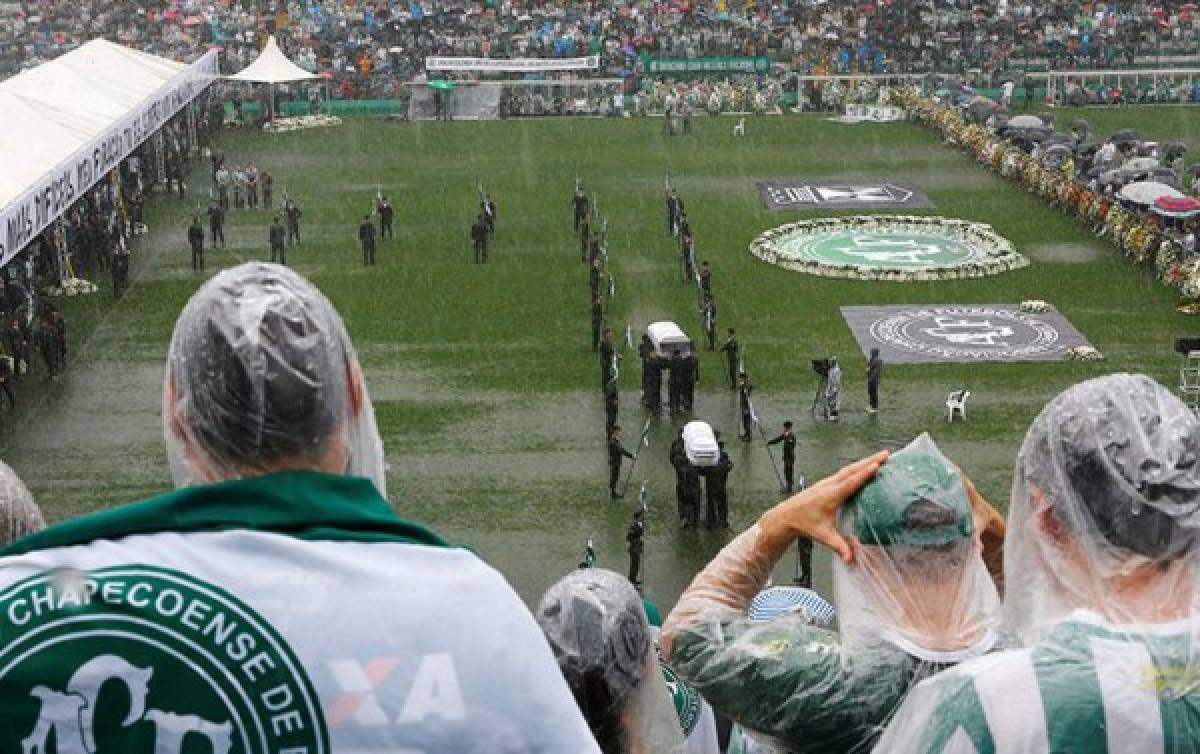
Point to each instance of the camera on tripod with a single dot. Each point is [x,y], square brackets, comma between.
[822,366]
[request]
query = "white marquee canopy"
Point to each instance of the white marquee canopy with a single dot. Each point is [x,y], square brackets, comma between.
[272,67]
[70,121]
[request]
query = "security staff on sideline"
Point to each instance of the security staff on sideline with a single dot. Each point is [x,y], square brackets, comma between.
[366,236]
[479,236]
[216,224]
[195,236]
[276,236]
[386,214]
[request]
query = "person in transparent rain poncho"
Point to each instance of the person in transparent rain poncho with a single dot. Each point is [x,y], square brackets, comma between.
[912,593]
[1100,567]
[280,560]
[597,628]
[19,514]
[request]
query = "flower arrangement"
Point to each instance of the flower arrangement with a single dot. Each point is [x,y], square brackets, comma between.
[998,254]
[1035,306]
[301,122]
[1084,353]
[71,287]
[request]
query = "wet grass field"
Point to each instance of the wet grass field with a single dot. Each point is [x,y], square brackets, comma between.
[484,384]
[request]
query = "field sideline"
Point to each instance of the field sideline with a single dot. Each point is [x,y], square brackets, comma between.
[485,388]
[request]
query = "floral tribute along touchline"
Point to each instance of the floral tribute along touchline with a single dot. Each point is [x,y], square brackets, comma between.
[889,247]
[301,122]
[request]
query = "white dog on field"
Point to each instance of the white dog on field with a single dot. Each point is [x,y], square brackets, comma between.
[740,128]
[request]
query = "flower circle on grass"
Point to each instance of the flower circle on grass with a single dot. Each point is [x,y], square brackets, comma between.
[889,247]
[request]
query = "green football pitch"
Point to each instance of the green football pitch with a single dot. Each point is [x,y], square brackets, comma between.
[484,384]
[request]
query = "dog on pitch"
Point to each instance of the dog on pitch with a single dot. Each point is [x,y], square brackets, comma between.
[740,128]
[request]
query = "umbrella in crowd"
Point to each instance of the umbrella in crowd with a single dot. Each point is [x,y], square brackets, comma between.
[1146,193]
[1026,123]
[1183,208]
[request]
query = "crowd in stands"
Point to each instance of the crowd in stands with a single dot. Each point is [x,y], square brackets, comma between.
[366,50]
[943,605]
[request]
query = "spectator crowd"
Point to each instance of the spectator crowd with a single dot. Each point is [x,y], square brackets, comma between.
[944,607]
[365,50]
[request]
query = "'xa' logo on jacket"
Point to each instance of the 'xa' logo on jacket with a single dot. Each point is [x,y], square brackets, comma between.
[140,659]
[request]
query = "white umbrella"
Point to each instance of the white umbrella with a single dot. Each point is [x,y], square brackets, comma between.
[1146,192]
[1026,121]
[1141,163]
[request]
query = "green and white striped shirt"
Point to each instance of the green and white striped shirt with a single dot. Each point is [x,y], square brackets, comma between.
[1089,686]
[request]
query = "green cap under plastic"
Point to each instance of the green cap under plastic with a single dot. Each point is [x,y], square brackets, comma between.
[917,499]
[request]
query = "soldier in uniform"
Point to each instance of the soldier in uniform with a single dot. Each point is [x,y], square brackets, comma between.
[674,210]
[678,459]
[366,236]
[730,349]
[616,452]
[608,355]
[195,236]
[268,182]
[597,320]
[216,224]
[788,439]
[585,233]
[611,405]
[676,376]
[488,207]
[689,478]
[479,237]
[595,277]
[687,250]
[706,278]
[386,213]
[634,536]
[716,495]
[691,375]
[580,201]
[276,235]
[120,272]
[744,389]
[874,372]
[292,211]
[708,315]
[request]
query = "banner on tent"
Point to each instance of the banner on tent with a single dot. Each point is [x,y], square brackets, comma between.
[512,65]
[27,216]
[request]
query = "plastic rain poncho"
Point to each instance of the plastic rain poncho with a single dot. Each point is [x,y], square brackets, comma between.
[806,689]
[261,376]
[19,514]
[599,633]
[1100,566]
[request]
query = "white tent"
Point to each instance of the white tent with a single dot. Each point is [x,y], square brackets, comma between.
[68,122]
[272,67]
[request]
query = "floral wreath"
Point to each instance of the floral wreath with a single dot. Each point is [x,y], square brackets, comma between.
[998,252]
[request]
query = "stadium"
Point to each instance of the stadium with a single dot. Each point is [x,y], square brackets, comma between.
[329,323]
